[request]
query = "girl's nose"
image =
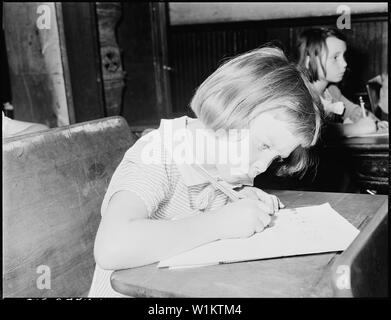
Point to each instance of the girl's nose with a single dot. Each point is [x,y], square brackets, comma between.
[344,63]
[264,162]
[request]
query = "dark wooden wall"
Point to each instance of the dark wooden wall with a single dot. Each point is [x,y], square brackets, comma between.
[156,56]
[135,41]
[5,92]
[195,51]
[82,50]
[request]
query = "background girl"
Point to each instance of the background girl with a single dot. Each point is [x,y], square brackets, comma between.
[321,52]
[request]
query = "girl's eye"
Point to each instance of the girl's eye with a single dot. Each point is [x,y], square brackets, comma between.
[279,160]
[263,147]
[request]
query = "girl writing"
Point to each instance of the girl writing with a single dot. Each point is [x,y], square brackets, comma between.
[158,205]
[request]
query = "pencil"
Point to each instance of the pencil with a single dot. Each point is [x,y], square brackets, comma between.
[228,192]
[362,104]
[232,195]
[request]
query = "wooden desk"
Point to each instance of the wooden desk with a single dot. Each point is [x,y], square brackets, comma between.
[300,276]
[366,160]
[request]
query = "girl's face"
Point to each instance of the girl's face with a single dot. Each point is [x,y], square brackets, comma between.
[269,140]
[334,63]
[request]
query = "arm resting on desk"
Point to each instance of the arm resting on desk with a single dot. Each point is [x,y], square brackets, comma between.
[127,238]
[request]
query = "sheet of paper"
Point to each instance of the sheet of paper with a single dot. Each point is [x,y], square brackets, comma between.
[306,230]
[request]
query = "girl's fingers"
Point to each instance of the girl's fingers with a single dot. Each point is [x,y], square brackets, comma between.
[275,203]
[263,215]
[382,124]
[248,193]
[272,201]
[265,219]
[259,226]
[280,204]
[268,203]
[265,202]
[264,208]
[265,198]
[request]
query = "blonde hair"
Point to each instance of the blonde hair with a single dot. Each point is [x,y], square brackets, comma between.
[258,81]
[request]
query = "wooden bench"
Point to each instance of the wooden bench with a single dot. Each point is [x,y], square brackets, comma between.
[53,186]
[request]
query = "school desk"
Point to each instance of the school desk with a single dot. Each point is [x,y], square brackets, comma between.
[299,276]
[366,160]
[352,165]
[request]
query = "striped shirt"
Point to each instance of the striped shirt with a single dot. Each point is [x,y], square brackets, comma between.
[169,190]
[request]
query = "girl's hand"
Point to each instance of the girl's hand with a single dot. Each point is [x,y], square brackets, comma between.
[382,125]
[356,114]
[269,203]
[365,125]
[241,219]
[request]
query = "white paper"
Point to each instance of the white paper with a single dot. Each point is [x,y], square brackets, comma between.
[306,230]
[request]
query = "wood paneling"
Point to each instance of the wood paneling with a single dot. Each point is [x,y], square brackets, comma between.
[160,58]
[182,13]
[135,40]
[108,14]
[195,51]
[5,92]
[82,47]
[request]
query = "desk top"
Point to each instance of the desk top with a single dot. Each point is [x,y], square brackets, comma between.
[300,276]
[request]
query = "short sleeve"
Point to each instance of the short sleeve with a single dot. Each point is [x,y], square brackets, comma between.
[149,181]
[352,111]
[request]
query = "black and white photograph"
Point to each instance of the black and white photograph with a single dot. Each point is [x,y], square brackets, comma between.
[194,150]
